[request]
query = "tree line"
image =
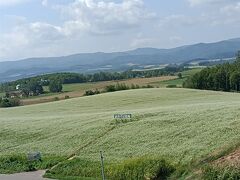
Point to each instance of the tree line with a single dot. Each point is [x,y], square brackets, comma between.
[32,88]
[116,87]
[69,78]
[225,77]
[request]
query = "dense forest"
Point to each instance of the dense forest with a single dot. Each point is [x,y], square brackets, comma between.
[69,78]
[225,77]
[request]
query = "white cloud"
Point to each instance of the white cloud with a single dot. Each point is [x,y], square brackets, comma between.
[175,39]
[45,2]
[101,17]
[80,19]
[142,42]
[201,2]
[212,12]
[29,37]
[177,20]
[11,2]
[83,23]
[231,9]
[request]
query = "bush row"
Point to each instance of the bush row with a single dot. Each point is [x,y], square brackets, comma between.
[9,102]
[116,87]
[19,163]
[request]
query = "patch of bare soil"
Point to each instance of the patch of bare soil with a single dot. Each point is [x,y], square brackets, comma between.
[232,159]
[36,175]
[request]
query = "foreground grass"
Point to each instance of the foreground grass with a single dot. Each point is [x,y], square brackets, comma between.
[180,124]
[19,163]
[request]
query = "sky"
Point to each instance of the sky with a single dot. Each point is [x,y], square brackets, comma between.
[40,28]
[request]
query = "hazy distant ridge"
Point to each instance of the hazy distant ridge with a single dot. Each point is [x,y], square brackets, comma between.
[92,62]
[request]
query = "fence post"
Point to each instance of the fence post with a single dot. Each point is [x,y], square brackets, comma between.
[102,164]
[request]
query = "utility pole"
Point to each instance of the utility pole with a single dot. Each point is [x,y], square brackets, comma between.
[102,164]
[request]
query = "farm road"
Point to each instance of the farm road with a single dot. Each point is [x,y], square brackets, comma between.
[37,175]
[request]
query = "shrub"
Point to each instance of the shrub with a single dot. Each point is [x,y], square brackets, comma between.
[137,86]
[171,86]
[56,99]
[13,164]
[148,86]
[97,91]
[9,102]
[110,88]
[122,86]
[133,86]
[91,92]
[19,163]
[180,75]
[141,168]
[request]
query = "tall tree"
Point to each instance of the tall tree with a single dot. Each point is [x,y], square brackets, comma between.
[55,86]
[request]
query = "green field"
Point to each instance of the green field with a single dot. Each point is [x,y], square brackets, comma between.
[75,87]
[177,82]
[191,72]
[182,124]
[174,82]
[79,89]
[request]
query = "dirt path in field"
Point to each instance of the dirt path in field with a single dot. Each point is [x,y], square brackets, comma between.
[232,159]
[74,155]
[36,175]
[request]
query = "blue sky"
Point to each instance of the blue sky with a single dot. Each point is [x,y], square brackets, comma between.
[33,28]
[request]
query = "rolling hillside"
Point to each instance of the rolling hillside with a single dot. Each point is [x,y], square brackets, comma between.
[182,124]
[139,58]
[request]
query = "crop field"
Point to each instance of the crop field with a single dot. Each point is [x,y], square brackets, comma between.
[181,124]
[78,89]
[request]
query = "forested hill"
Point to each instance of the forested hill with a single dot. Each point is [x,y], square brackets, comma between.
[225,77]
[117,61]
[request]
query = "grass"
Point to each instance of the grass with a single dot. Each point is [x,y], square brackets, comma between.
[19,163]
[221,173]
[177,82]
[131,169]
[78,89]
[191,72]
[179,124]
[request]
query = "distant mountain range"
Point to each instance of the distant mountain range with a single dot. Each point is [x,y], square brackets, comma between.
[94,62]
